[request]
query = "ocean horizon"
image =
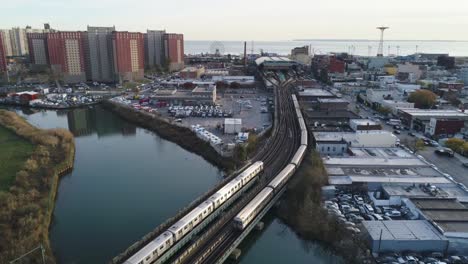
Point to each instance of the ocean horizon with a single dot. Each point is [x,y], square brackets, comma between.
[363,47]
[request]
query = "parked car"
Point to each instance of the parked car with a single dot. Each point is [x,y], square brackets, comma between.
[411,134]
[358,199]
[465,165]
[444,152]
[396,132]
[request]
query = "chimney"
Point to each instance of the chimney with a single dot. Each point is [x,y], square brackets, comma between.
[245,54]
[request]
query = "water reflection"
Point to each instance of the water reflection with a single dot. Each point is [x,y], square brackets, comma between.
[84,122]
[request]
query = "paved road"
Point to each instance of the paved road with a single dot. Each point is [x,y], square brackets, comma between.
[452,166]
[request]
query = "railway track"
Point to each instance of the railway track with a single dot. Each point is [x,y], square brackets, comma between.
[208,243]
[286,139]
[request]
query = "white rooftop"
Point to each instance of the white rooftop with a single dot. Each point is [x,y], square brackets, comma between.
[347,180]
[375,162]
[434,112]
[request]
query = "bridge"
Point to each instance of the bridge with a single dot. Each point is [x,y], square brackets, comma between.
[205,232]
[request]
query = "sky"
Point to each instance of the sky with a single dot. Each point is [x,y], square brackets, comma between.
[251,19]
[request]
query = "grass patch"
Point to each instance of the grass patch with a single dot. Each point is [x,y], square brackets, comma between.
[14,153]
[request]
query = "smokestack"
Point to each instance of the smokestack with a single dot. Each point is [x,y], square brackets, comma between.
[245,54]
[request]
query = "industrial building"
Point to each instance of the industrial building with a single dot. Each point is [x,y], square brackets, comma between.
[374,167]
[419,119]
[337,143]
[99,55]
[395,105]
[128,48]
[403,236]
[67,55]
[364,124]
[274,63]
[314,94]
[450,217]
[192,72]
[331,104]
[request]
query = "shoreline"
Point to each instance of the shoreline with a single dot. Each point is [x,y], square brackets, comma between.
[51,107]
[35,188]
[181,136]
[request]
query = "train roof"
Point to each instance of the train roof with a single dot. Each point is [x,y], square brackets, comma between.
[283,174]
[254,203]
[142,253]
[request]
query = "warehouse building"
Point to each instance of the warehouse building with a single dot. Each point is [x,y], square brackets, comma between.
[192,72]
[419,119]
[404,236]
[371,168]
[364,124]
[450,217]
[274,63]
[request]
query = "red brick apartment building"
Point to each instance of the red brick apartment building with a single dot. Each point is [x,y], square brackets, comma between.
[129,54]
[67,55]
[174,50]
[3,63]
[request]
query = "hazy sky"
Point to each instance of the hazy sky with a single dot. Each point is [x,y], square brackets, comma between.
[251,19]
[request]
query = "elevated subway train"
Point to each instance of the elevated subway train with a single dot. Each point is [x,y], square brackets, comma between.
[250,211]
[158,246]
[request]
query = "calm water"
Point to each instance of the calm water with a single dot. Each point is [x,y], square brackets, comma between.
[126,181]
[357,47]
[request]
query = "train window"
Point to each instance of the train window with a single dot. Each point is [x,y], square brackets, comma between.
[154,252]
[161,247]
[204,212]
[180,232]
[168,242]
[148,258]
[141,262]
[328,148]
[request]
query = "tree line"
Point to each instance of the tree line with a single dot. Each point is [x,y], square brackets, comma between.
[302,210]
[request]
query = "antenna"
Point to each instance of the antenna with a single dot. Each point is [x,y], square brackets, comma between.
[398,51]
[417,46]
[252,48]
[369,50]
[380,51]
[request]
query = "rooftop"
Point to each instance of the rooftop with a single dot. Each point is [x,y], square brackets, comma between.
[433,113]
[449,214]
[444,191]
[315,92]
[402,230]
[348,180]
[373,162]
[363,122]
[331,100]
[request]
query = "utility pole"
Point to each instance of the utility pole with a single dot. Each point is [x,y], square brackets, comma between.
[380,51]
